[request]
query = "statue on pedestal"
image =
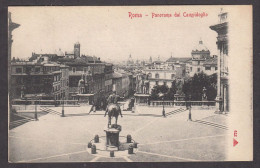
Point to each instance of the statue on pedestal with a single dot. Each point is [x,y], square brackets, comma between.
[146,85]
[139,86]
[22,91]
[113,108]
[204,96]
[81,86]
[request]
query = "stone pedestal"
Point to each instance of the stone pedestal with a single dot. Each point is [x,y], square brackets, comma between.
[112,136]
[218,105]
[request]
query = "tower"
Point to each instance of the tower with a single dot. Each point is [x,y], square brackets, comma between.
[76,50]
[150,60]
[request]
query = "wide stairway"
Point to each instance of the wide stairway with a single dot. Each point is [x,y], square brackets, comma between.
[50,111]
[19,120]
[180,110]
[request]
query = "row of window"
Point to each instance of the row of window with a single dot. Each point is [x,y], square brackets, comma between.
[36,69]
[157,76]
[206,68]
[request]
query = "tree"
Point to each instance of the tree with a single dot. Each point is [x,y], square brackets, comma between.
[194,86]
[171,92]
[158,89]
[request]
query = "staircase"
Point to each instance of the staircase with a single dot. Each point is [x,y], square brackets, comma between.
[212,124]
[175,112]
[50,111]
[19,122]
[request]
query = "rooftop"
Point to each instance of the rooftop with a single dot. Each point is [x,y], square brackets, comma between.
[200,47]
[180,59]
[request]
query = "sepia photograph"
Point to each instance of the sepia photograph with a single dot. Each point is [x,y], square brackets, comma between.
[130,83]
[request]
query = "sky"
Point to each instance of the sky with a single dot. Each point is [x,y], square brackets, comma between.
[109,32]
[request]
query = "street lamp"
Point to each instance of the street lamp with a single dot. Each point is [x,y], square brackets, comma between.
[35,112]
[163,111]
[62,111]
[189,106]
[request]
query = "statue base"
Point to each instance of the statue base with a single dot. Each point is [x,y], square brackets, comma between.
[112,136]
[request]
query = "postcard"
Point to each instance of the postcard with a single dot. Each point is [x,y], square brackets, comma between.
[130,83]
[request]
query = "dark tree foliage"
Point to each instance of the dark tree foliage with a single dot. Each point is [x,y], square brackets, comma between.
[194,86]
[168,92]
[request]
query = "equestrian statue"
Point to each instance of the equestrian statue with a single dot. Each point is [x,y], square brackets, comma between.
[113,109]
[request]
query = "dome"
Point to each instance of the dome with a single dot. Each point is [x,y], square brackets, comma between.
[200,47]
[59,53]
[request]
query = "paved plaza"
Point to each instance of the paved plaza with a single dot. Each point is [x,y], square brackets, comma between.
[65,139]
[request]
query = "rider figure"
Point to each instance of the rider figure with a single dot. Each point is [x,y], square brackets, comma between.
[113,99]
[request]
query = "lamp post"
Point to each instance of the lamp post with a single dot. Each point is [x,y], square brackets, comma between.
[62,111]
[35,113]
[163,111]
[189,106]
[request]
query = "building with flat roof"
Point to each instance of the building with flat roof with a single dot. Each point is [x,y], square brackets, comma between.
[47,80]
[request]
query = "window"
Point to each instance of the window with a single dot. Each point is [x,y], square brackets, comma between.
[19,80]
[73,69]
[191,69]
[28,70]
[207,68]
[198,69]
[164,83]
[149,75]
[216,68]
[157,76]
[172,76]
[198,62]
[18,70]
[85,70]
[37,80]
[156,82]
[37,69]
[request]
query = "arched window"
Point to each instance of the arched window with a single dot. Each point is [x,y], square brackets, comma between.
[157,76]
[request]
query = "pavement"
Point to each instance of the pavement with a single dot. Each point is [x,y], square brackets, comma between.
[64,139]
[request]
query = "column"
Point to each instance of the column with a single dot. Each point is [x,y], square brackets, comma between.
[218,97]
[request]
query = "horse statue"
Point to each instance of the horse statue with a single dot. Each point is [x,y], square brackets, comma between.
[113,109]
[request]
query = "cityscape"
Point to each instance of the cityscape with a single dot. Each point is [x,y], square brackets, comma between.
[59,101]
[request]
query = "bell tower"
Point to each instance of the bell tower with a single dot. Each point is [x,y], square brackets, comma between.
[77,50]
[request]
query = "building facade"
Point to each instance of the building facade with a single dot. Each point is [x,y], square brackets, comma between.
[11,27]
[201,61]
[222,100]
[121,84]
[45,81]
[164,73]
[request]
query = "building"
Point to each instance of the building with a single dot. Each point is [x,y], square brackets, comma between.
[108,79]
[92,73]
[76,50]
[222,99]
[130,61]
[64,82]
[164,73]
[121,84]
[46,81]
[11,27]
[201,61]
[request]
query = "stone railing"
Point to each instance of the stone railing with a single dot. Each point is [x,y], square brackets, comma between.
[45,102]
[182,103]
[160,103]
